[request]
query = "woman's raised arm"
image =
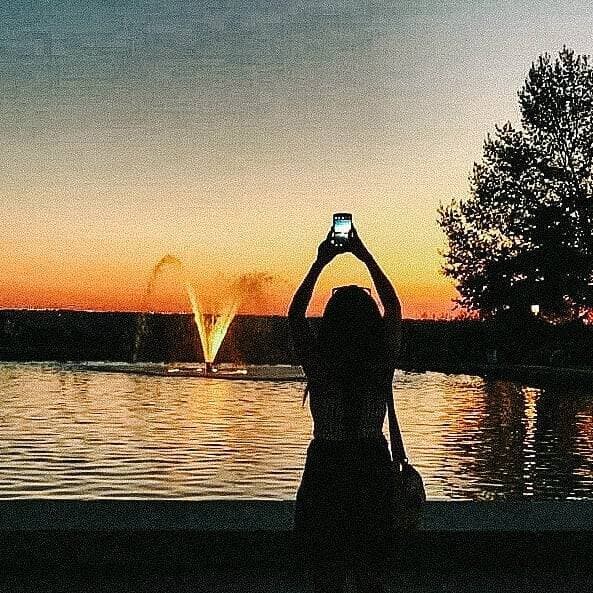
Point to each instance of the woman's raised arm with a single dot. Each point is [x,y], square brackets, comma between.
[303,294]
[385,290]
[302,337]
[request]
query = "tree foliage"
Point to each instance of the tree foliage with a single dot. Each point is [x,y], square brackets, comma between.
[524,235]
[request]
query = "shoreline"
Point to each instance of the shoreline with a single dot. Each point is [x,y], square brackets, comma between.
[529,375]
[31,335]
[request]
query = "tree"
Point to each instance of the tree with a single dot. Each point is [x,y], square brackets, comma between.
[524,235]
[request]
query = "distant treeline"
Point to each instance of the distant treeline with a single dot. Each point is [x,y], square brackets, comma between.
[30,335]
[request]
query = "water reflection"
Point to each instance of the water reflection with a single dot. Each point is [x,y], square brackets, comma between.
[496,460]
[526,443]
[85,434]
[564,458]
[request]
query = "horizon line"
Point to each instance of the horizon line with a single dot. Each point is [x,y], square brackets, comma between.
[429,317]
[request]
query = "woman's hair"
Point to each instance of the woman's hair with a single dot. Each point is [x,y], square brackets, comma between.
[351,338]
[351,343]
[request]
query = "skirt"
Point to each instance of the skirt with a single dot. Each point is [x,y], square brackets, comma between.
[344,503]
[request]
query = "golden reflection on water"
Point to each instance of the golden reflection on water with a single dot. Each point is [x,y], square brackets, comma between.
[86,434]
[529,443]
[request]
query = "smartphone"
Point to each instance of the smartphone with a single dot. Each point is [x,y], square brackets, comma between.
[341,227]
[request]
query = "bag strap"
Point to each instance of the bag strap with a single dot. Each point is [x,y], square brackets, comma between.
[398,452]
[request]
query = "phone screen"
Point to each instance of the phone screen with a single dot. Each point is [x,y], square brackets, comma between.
[342,225]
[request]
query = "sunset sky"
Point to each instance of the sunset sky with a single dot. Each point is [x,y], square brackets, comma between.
[227,133]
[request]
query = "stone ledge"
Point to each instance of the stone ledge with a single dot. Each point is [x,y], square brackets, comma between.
[228,515]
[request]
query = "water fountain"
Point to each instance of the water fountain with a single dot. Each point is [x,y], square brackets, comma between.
[212,323]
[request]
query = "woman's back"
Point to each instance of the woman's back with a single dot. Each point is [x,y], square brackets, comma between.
[342,411]
[348,367]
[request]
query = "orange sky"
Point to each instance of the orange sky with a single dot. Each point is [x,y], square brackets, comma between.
[228,134]
[415,305]
[52,281]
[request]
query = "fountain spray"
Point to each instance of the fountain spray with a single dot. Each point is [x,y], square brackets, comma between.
[212,327]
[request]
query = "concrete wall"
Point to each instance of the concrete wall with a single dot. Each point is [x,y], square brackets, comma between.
[63,538]
[113,515]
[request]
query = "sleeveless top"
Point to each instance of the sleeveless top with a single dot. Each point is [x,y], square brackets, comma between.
[328,409]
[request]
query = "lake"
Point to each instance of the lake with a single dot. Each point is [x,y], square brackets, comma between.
[83,434]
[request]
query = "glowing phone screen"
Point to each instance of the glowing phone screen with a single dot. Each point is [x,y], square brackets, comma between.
[342,227]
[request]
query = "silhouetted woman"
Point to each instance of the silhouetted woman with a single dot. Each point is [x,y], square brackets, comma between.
[343,504]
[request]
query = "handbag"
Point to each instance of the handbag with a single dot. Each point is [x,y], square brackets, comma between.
[409,494]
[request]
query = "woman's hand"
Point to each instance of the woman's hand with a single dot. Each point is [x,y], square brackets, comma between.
[356,246]
[327,250]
